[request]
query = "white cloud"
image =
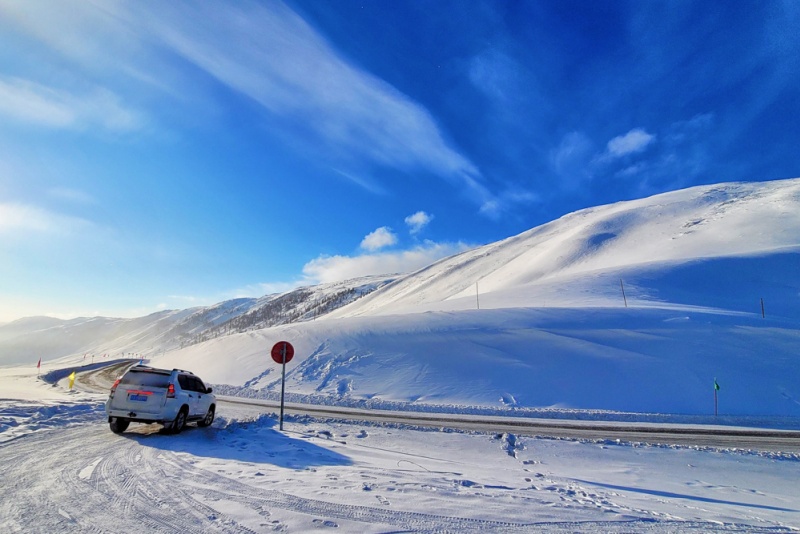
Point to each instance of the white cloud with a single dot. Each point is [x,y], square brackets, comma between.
[418,221]
[318,98]
[380,238]
[32,103]
[16,218]
[71,195]
[632,142]
[270,54]
[367,183]
[572,160]
[327,269]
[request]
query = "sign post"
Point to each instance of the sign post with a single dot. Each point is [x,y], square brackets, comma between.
[282,353]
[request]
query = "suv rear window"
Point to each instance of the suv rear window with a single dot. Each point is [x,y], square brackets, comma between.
[153,380]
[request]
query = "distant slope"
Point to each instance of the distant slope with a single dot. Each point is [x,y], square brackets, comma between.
[28,339]
[553,330]
[631,360]
[578,260]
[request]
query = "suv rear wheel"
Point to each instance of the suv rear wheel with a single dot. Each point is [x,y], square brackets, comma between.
[118,425]
[180,421]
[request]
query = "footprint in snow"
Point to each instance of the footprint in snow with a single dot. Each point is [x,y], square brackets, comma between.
[326,523]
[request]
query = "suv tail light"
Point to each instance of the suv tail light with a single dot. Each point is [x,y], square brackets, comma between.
[114,387]
[171,391]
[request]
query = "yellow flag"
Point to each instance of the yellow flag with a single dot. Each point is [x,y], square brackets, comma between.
[71,380]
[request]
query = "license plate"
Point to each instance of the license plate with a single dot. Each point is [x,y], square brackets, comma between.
[138,398]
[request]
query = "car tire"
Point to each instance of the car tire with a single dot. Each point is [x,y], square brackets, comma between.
[118,425]
[180,421]
[208,419]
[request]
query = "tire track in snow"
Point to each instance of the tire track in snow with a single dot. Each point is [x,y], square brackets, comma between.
[49,492]
[86,479]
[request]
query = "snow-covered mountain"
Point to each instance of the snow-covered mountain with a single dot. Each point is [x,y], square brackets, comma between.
[539,319]
[27,339]
[669,248]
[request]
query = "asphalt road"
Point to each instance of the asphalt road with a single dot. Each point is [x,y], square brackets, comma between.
[757,439]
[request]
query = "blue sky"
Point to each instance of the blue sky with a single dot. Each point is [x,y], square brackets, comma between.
[160,155]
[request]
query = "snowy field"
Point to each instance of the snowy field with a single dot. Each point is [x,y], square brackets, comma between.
[64,471]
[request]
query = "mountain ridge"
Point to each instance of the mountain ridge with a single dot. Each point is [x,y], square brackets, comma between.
[585,259]
[722,220]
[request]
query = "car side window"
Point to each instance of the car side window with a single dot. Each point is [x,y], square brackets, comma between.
[185,382]
[199,385]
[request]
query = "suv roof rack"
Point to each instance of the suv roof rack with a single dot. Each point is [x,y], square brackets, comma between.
[148,369]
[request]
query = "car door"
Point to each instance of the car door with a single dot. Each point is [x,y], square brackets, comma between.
[193,398]
[204,399]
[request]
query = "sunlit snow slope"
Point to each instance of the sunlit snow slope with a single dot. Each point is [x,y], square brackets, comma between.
[727,245]
[553,330]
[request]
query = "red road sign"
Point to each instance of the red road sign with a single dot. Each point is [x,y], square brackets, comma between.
[277,351]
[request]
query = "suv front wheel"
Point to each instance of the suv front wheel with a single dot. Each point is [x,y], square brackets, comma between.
[208,419]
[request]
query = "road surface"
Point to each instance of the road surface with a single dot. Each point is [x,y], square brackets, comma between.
[756,439]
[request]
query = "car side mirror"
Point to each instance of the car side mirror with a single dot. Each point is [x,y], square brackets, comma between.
[208,390]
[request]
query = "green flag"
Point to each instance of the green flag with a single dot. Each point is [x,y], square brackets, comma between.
[716,386]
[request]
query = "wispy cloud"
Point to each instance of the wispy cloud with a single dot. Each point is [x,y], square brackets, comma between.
[361,181]
[336,268]
[32,103]
[418,221]
[632,142]
[270,54]
[381,238]
[571,160]
[315,96]
[71,195]
[16,218]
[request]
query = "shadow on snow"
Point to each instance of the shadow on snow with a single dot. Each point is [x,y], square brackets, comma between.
[671,495]
[256,442]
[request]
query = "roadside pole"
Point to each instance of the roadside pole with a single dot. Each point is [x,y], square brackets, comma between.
[282,353]
[283,379]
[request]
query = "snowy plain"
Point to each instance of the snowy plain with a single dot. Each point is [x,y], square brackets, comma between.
[64,471]
[536,324]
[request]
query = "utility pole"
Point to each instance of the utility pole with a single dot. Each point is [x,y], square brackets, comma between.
[624,298]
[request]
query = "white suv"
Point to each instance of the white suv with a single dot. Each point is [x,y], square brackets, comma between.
[149,395]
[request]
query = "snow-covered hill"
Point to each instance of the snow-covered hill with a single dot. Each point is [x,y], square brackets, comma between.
[553,330]
[540,320]
[28,339]
[689,246]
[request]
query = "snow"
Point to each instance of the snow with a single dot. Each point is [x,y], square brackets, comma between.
[63,470]
[631,360]
[534,325]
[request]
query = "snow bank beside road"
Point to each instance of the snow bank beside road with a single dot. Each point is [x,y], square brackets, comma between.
[20,418]
[634,360]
